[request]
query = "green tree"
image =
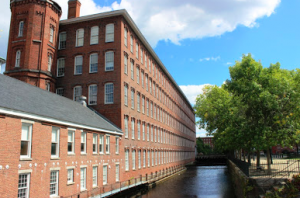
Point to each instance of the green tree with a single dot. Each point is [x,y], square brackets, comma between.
[256,108]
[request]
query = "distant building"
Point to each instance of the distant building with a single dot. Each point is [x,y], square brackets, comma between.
[208,141]
[2,61]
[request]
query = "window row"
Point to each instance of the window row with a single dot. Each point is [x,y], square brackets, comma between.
[93,34]
[141,130]
[100,143]
[24,179]
[147,158]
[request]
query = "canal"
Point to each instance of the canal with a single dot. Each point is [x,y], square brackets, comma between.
[196,182]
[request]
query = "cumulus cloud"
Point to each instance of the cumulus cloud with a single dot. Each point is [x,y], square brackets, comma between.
[201,133]
[210,59]
[171,20]
[192,91]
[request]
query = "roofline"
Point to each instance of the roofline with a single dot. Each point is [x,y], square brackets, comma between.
[125,14]
[55,121]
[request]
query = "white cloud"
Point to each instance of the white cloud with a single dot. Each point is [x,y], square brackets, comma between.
[192,91]
[171,20]
[210,59]
[201,133]
[229,63]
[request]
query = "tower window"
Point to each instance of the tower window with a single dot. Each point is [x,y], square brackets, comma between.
[21,28]
[51,34]
[18,57]
[49,62]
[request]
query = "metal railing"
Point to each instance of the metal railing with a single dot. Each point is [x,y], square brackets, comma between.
[110,189]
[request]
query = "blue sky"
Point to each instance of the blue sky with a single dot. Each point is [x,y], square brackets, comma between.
[198,40]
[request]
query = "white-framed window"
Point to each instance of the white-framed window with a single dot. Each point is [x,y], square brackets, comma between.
[94,63]
[71,142]
[148,158]
[146,81]
[109,34]
[158,157]
[104,174]
[60,91]
[150,86]
[55,142]
[132,128]
[142,78]
[143,130]
[142,56]
[109,93]
[70,176]
[132,98]
[51,34]
[49,62]
[95,143]
[77,92]
[107,145]
[131,43]
[145,60]
[151,109]
[23,186]
[133,160]
[148,131]
[117,172]
[127,160]
[139,129]
[139,158]
[149,65]
[143,104]
[79,37]
[117,145]
[95,178]
[132,69]
[83,143]
[82,179]
[147,105]
[109,61]
[54,183]
[48,87]
[94,35]
[155,158]
[78,65]
[26,139]
[144,158]
[126,94]
[93,94]
[125,36]
[137,50]
[138,75]
[62,40]
[21,28]
[151,133]
[152,158]
[101,144]
[138,101]
[125,64]
[18,58]
[126,126]
[60,67]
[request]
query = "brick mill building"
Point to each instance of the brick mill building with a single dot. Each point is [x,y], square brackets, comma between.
[146,125]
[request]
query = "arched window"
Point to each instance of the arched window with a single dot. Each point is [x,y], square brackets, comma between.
[21,28]
[109,61]
[93,63]
[94,35]
[49,62]
[109,93]
[109,34]
[18,58]
[79,37]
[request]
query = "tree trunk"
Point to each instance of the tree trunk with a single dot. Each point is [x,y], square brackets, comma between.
[269,162]
[297,149]
[244,155]
[249,158]
[258,159]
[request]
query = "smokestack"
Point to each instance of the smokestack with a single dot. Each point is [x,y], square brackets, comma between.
[74,9]
[82,100]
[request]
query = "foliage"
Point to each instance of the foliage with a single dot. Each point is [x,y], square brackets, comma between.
[290,189]
[255,109]
[203,148]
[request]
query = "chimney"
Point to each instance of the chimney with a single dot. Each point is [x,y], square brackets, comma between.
[74,9]
[82,100]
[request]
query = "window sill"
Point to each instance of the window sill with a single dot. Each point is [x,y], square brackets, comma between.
[25,159]
[54,196]
[101,153]
[83,190]
[95,153]
[55,158]
[93,72]
[71,154]
[84,154]
[77,74]
[107,153]
[70,183]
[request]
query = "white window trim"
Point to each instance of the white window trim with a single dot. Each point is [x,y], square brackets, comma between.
[73,141]
[90,96]
[105,101]
[90,66]
[30,126]
[28,173]
[57,143]
[77,32]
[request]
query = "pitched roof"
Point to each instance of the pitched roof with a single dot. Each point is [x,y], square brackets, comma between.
[21,99]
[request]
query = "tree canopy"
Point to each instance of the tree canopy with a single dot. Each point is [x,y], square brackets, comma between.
[258,107]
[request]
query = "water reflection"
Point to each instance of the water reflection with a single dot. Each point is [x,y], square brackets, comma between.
[196,182]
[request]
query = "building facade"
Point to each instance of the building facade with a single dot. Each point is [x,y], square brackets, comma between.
[106,58]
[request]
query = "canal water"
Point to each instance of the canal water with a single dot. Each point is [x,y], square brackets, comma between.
[196,182]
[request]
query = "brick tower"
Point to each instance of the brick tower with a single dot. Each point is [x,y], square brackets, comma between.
[33,42]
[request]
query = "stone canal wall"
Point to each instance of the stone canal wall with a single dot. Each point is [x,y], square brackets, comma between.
[242,185]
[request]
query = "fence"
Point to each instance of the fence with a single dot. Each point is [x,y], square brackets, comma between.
[108,190]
